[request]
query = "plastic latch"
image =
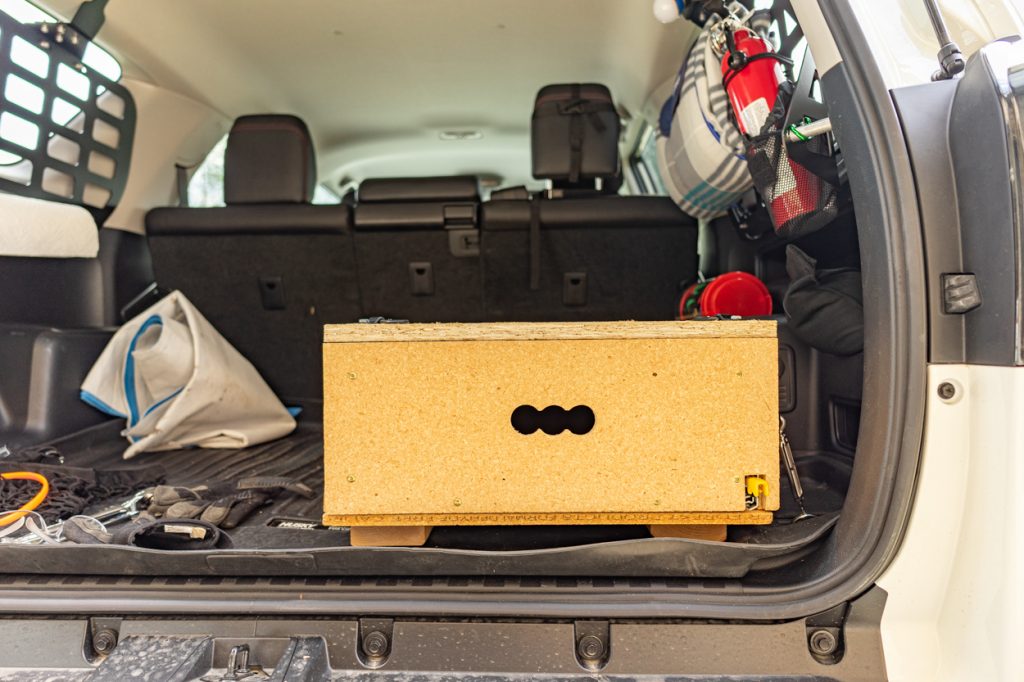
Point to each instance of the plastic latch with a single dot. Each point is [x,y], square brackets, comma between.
[756,486]
[464,243]
[421,278]
[756,492]
[272,293]
[574,288]
[960,293]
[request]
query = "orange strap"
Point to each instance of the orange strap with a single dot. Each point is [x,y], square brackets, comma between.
[44,490]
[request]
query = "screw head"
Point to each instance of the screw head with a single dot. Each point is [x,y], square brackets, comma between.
[104,641]
[947,391]
[376,645]
[590,647]
[823,642]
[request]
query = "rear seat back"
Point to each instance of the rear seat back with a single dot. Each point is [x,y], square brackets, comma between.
[417,248]
[601,258]
[579,251]
[269,269]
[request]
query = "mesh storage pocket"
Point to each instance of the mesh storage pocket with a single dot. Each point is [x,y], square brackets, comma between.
[799,198]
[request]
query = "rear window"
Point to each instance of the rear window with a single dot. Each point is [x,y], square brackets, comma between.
[66,124]
[644,164]
[21,92]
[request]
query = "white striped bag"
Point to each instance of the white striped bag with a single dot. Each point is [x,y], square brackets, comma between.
[702,159]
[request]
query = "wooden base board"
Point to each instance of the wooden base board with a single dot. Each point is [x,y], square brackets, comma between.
[714,532]
[389,536]
[754,517]
[416,536]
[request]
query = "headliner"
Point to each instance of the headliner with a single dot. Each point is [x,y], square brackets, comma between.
[378,80]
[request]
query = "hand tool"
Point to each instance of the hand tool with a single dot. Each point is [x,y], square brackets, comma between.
[786,451]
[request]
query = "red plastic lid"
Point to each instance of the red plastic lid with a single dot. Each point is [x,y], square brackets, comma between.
[736,293]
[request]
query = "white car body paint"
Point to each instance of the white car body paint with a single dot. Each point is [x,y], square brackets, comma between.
[955,608]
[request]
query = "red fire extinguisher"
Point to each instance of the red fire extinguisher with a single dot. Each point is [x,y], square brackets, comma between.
[751,74]
[752,81]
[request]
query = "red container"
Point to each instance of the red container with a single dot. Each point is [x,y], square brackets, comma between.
[734,293]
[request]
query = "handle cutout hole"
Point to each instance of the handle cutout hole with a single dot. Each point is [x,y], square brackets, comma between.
[553,420]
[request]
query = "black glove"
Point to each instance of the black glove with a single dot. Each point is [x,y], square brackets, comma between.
[224,504]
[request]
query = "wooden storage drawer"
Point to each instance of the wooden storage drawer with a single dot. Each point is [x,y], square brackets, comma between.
[652,422]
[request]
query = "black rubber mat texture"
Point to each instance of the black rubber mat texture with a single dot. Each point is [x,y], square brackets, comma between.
[298,545]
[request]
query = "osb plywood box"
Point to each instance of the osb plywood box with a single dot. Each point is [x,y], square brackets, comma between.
[516,423]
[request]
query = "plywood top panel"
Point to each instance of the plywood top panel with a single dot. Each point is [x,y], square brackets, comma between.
[546,331]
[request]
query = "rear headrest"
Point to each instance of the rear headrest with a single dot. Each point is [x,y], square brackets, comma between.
[269,160]
[447,188]
[575,135]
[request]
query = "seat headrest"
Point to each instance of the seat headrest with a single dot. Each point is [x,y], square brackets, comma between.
[575,135]
[269,160]
[447,188]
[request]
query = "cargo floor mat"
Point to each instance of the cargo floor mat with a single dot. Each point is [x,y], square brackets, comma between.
[286,539]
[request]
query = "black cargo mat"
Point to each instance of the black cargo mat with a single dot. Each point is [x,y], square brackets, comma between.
[286,539]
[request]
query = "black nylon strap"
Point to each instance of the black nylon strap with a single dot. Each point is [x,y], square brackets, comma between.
[89,18]
[535,243]
[181,534]
[172,535]
[576,137]
[273,482]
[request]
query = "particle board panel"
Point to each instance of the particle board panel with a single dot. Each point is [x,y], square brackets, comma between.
[418,423]
[752,517]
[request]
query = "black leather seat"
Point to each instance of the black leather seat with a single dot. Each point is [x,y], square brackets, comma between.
[269,269]
[417,248]
[579,251]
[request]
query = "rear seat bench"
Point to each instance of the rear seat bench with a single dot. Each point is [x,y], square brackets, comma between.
[580,251]
[269,269]
[417,248]
[601,258]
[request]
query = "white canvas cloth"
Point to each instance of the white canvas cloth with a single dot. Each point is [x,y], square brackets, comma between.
[702,162]
[179,383]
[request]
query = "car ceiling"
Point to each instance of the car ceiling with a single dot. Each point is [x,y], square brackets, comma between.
[378,81]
